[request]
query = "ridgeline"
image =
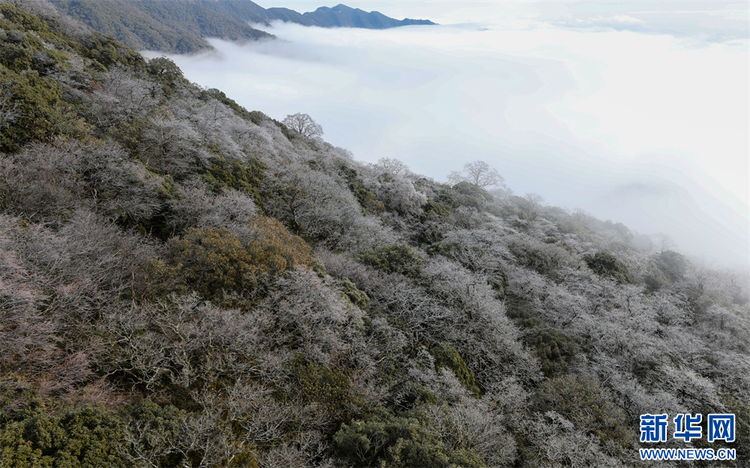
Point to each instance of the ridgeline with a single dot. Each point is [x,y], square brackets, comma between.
[182,26]
[184,282]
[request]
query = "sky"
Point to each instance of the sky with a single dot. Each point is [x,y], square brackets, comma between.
[632,111]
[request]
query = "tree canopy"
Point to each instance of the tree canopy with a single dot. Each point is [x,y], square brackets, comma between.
[184,282]
[303,124]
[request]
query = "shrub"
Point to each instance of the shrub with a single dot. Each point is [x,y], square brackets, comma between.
[41,111]
[655,279]
[396,258]
[464,194]
[499,282]
[154,432]
[366,197]
[386,440]
[580,399]
[436,208]
[214,260]
[606,264]
[166,72]
[555,350]
[106,52]
[672,264]
[85,437]
[355,295]
[255,117]
[274,249]
[447,357]
[27,21]
[244,176]
[327,386]
[545,259]
[665,268]
[741,410]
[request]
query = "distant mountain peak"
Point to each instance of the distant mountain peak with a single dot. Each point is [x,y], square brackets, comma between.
[345,16]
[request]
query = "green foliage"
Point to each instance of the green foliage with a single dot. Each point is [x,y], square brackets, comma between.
[464,194]
[255,117]
[472,190]
[655,279]
[545,259]
[581,400]
[27,21]
[364,195]
[85,437]
[521,310]
[158,427]
[396,258]
[672,264]
[20,51]
[407,395]
[106,52]
[356,296]
[741,410]
[328,386]
[436,208]
[447,357]
[17,394]
[665,268]
[555,350]
[41,112]
[290,135]
[409,441]
[446,249]
[168,26]
[606,264]
[499,283]
[166,73]
[244,176]
[103,50]
[214,261]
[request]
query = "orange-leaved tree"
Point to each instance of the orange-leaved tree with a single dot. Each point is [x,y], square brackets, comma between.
[216,261]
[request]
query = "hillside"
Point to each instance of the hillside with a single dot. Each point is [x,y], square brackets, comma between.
[182,25]
[342,16]
[169,26]
[184,282]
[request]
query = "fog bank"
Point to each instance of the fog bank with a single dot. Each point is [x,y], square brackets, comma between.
[632,124]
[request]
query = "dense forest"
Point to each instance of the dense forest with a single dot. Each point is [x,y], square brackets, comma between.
[169,26]
[182,26]
[186,283]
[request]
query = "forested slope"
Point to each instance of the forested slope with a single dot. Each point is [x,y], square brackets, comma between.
[168,26]
[182,25]
[184,282]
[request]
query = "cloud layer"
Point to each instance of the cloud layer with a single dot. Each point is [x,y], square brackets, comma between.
[647,129]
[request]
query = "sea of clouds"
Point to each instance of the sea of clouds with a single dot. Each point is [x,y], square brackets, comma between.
[640,117]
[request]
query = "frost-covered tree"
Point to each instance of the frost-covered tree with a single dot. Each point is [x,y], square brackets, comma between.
[478,173]
[157,307]
[303,124]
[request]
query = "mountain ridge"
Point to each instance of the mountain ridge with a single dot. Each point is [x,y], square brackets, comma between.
[344,16]
[184,282]
[182,26]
